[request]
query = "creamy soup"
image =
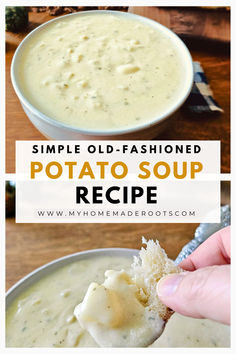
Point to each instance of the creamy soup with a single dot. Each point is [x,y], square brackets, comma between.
[101,71]
[186,332]
[122,319]
[43,316]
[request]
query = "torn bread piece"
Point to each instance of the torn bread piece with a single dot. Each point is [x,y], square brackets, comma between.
[147,269]
[125,310]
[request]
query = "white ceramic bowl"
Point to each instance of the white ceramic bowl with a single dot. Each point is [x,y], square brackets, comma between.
[55,130]
[16,290]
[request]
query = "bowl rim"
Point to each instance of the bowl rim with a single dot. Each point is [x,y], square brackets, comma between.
[31,278]
[109,132]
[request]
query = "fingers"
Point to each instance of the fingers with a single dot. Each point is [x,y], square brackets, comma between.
[214,251]
[204,293]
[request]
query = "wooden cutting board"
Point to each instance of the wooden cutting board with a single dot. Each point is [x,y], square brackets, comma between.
[190,21]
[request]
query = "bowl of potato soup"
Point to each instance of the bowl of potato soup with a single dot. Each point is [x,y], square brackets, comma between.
[40,308]
[101,75]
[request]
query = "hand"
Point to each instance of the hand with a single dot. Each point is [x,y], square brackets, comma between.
[203,291]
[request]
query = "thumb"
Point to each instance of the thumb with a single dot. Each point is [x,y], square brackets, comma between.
[204,293]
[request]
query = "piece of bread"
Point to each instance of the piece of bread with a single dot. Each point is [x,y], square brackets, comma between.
[147,269]
[125,311]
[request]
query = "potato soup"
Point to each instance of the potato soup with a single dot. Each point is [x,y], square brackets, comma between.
[101,72]
[43,315]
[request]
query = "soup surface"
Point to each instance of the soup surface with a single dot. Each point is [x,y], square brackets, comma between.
[101,71]
[42,316]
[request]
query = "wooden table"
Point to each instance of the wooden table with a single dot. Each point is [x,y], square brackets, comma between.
[29,246]
[215,60]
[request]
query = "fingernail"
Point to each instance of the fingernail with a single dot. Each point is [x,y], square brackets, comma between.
[168,285]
